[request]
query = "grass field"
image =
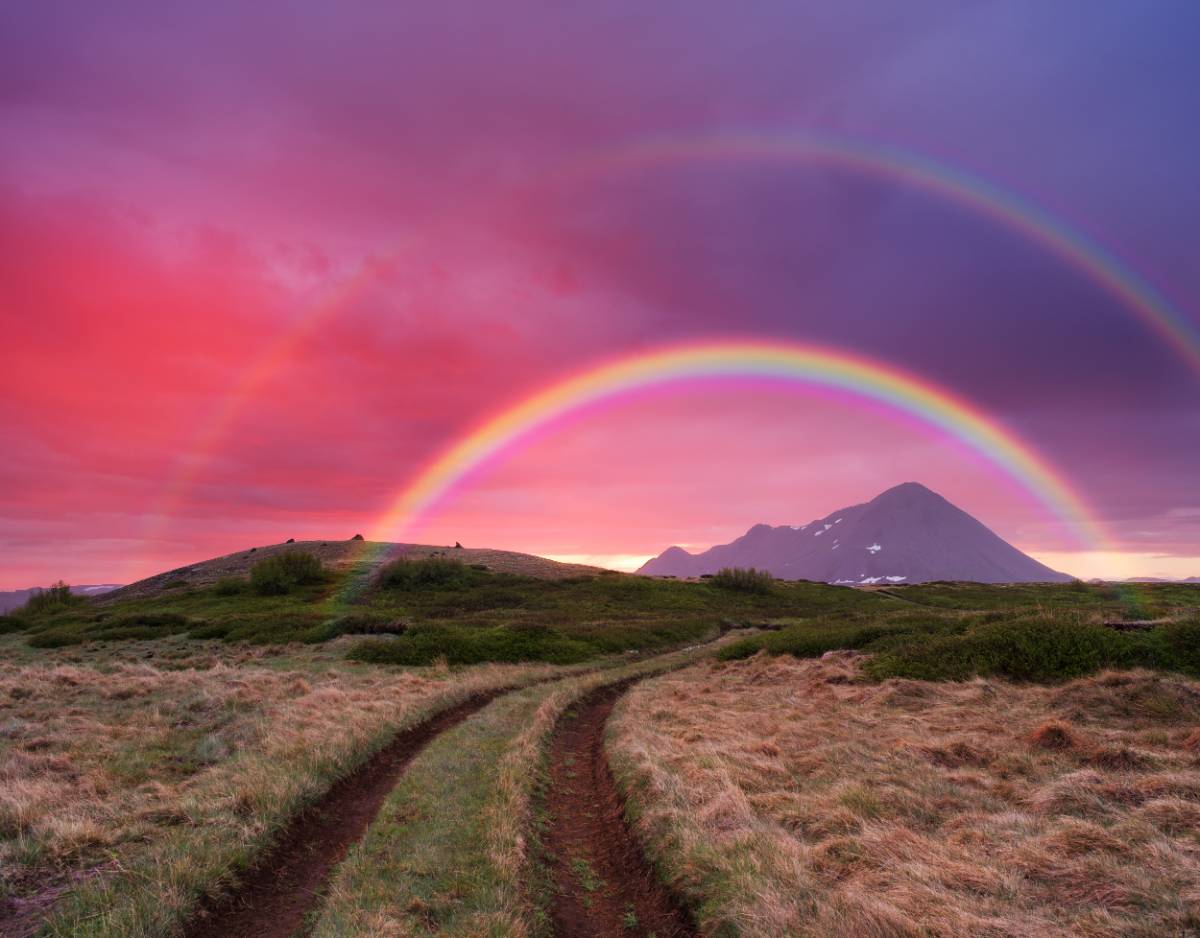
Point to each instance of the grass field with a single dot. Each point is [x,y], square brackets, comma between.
[798,797]
[137,775]
[154,744]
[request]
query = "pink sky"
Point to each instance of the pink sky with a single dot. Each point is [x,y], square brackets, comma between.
[178,192]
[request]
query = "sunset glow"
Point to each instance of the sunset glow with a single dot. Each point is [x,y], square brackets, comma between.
[275,272]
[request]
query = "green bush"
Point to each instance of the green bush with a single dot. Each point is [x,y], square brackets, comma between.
[274,576]
[56,638]
[355,623]
[956,647]
[813,639]
[746,580]
[1037,649]
[458,645]
[418,574]
[54,599]
[230,586]
[12,624]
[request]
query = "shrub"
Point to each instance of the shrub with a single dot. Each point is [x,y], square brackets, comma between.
[746,580]
[1183,641]
[1028,650]
[274,576]
[458,645]
[813,639]
[229,586]
[12,624]
[416,574]
[53,599]
[56,638]
[365,623]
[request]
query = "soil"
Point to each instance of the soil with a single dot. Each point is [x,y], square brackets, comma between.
[603,885]
[273,899]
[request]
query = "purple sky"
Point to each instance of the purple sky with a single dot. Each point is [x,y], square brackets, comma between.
[177,186]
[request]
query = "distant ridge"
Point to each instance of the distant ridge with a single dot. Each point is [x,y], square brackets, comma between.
[907,534]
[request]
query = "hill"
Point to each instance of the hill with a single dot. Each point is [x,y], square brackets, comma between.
[907,534]
[342,556]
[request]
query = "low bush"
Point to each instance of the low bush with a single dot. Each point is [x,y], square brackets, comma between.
[746,580]
[12,624]
[812,639]
[1034,648]
[53,599]
[418,574]
[458,645]
[56,638]
[366,623]
[274,576]
[1039,649]
[230,586]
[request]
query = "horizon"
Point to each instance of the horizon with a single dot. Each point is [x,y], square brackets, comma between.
[632,563]
[387,272]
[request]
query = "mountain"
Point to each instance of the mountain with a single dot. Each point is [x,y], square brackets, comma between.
[908,534]
[14,599]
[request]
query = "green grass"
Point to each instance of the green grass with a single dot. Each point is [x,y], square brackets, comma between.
[416,612]
[419,611]
[428,860]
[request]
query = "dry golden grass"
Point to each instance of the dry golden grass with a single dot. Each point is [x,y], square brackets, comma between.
[790,797]
[102,762]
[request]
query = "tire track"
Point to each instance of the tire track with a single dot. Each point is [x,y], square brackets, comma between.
[603,885]
[275,897]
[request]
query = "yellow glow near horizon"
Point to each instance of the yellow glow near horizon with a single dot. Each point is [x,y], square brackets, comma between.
[1118,565]
[626,562]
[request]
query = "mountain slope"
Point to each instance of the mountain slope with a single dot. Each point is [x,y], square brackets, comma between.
[908,534]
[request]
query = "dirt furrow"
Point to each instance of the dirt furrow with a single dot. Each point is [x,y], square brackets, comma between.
[603,885]
[274,898]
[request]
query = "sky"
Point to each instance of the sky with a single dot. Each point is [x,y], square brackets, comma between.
[261,264]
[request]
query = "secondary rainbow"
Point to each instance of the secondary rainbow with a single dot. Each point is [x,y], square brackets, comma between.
[1001,205]
[810,365]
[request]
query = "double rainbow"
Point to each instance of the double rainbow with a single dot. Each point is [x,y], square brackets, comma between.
[809,365]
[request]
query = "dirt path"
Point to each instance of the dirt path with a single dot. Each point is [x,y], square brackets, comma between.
[603,886]
[273,899]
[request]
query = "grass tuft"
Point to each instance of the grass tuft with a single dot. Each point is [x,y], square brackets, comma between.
[745,580]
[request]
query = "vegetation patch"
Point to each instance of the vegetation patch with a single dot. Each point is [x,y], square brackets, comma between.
[746,580]
[936,645]
[278,574]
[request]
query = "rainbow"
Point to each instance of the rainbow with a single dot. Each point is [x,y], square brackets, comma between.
[1002,206]
[810,365]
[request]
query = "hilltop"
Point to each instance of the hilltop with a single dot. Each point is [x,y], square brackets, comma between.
[342,557]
